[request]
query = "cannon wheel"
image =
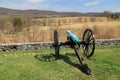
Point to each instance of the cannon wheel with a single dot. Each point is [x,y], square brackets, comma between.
[56,44]
[89,43]
[84,66]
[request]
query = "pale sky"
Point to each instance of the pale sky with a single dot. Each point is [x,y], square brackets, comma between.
[64,5]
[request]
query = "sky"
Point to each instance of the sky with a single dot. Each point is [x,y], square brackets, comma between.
[64,5]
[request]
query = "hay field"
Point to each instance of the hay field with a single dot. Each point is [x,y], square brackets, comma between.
[103,30]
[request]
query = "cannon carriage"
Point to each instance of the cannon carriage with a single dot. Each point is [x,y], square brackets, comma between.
[87,43]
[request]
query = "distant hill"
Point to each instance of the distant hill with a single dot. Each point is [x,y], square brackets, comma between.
[8,11]
[38,13]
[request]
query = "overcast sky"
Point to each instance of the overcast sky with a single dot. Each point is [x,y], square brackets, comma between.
[64,5]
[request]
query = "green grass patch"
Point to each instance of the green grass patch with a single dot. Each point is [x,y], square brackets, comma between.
[40,65]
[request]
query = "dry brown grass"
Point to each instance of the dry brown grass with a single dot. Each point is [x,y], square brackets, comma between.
[66,21]
[104,30]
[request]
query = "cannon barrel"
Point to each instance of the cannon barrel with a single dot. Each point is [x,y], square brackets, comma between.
[73,36]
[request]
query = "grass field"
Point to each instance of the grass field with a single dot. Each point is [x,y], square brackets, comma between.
[38,33]
[40,65]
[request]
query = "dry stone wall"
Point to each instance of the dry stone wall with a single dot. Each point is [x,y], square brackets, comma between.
[41,45]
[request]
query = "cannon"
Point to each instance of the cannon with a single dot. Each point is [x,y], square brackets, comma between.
[87,43]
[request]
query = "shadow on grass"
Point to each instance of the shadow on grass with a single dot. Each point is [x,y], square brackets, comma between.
[45,57]
[66,58]
[82,68]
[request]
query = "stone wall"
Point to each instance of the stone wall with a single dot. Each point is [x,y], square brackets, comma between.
[107,42]
[25,46]
[40,45]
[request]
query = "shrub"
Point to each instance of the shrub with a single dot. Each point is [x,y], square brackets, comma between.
[18,24]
